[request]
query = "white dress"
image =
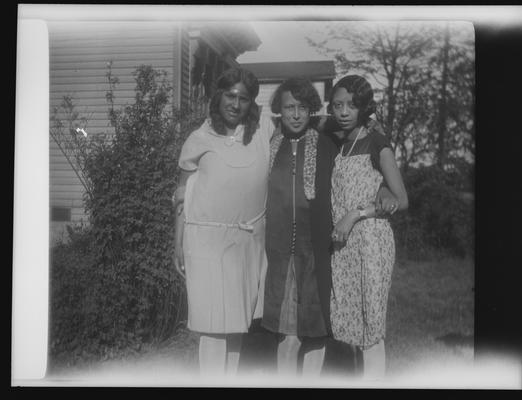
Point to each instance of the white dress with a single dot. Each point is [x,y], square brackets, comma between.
[225,263]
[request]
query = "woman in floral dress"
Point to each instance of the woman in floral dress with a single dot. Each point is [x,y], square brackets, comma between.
[364,254]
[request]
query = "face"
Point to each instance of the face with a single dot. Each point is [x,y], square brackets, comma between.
[345,112]
[234,105]
[294,114]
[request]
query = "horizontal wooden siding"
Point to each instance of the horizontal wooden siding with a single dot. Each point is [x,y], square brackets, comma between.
[78,59]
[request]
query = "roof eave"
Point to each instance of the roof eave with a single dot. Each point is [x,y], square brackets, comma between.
[278,79]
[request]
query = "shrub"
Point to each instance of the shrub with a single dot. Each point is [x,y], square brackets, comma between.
[114,284]
[438,218]
[71,276]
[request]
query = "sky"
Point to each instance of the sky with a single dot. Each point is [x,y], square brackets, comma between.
[283,41]
[286,40]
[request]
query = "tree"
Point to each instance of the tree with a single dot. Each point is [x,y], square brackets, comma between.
[67,129]
[122,288]
[450,96]
[389,55]
[443,104]
[132,179]
[422,82]
[455,80]
[423,79]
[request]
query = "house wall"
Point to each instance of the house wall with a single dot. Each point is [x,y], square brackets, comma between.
[78,57]
[184,46]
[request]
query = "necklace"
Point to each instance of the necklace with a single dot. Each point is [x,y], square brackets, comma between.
[353,144]
[231,139]
[294,144]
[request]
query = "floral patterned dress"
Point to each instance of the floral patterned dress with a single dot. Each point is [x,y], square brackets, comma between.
[362,268]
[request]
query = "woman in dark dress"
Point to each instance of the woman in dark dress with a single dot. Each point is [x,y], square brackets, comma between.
[295,247]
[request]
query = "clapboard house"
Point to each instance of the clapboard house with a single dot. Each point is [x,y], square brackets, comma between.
[192,55]
[272,74]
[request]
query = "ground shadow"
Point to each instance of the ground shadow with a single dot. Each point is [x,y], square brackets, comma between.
[259,354]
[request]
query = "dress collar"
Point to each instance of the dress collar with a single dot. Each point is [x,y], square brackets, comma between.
[310,154]
[291,135]
[237,136]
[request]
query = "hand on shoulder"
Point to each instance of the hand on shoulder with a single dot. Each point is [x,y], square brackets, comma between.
[375,127]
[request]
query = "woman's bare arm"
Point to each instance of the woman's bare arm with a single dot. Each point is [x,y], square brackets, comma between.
[398,196]
[178,201]
[179,194]
[393,178]
[384,202]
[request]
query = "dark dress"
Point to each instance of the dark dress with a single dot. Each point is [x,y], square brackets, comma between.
[321,220]
[298,281]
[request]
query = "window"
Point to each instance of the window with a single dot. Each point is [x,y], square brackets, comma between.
[60,214]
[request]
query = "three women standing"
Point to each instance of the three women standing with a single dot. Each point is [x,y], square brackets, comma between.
[220,230]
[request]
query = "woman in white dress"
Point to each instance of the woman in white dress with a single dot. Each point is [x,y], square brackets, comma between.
[220,228]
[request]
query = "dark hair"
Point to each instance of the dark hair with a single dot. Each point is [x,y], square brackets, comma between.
[228,79]
[302,90]
[362,93]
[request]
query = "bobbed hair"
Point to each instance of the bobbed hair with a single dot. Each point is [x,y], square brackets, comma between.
[302,90]
[362,93]
[228,79]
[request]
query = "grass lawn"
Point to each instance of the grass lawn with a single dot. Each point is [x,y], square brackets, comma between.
[430,314]
[430,324]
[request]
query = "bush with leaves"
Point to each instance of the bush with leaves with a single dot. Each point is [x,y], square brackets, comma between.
[72,279]
[125,292]
[439,218]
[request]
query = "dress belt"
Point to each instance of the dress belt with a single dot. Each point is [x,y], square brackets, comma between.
[246,226]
